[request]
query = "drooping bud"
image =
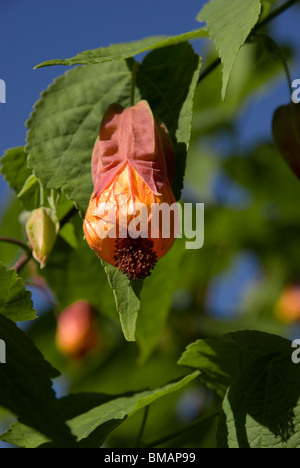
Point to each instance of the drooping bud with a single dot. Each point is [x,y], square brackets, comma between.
[286,132]
[77,332]
[132,169]
[41,229]
[287,308]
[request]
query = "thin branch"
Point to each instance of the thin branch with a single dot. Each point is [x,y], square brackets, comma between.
[141,432]
[17,242]
[278,53]
[187,428]
[22,262]
[256,28]
[133,83]
[68,216]
[209,69]
[274,13]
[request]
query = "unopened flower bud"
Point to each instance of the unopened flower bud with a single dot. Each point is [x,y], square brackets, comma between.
[287,307]
[77,331]
[41,229]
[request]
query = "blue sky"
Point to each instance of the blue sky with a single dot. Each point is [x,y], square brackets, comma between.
[36,30]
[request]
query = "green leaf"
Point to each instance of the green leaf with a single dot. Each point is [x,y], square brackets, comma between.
[65,123]
[167,79]
[26,387]
[127,297]
[30,192]
[94,425]
[23,436]
[262,406]
[125,50]
[221,360]
[15,301]
[229,24]
[120,408]
[155,307]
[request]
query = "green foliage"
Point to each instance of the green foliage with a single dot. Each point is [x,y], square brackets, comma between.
[229,28]
[15,301]
[262,406]
[255,372]
[95,415]
[165,279]
[127,297]
[247,377]
[26,388]
[221,360]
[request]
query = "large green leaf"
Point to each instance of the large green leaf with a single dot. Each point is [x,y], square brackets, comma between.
[93,426]
[65,123]
[127,297]
[69,407]
[155,307]
[15,300]
[167,79]
[118,409]
[26,387]
[229,24]
[262,406]
[221,360]
[125,50]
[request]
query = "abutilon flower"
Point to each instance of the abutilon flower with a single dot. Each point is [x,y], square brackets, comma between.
[132,169]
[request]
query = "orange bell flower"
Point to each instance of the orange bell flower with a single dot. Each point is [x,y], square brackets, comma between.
[132,168]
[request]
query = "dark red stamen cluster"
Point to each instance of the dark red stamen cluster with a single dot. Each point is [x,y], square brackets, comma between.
[135,257]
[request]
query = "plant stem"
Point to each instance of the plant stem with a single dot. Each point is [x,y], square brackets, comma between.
[275,13]
[42,195]
[139,438]
[17,242]
[278,52]
[209,69]
[22,262]
[190,426]
[133,83]
[256,28]
[68,216]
